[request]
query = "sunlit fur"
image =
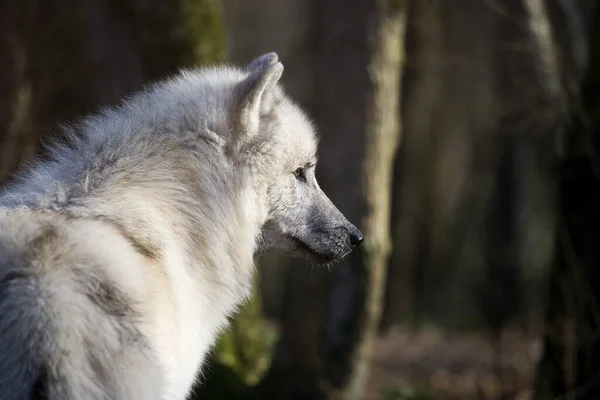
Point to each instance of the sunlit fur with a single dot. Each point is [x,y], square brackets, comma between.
[124,254]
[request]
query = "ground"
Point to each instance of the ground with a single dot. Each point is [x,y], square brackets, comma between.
[430,364]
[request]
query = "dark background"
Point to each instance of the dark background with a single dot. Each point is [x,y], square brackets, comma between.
[459,135]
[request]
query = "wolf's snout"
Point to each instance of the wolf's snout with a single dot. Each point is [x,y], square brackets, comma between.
[356,237]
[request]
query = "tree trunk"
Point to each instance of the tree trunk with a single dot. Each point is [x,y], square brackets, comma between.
[571,361]
[382,132]
[447,162]
[420,81]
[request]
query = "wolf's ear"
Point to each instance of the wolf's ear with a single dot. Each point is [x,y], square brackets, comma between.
[262,62]
[255,95]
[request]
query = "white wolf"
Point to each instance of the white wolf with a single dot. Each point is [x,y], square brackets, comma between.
[122,256]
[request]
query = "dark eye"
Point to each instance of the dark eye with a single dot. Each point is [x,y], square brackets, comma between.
[299,173]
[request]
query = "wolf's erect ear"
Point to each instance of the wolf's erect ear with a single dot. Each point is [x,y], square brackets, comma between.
[262,62]
[255,95]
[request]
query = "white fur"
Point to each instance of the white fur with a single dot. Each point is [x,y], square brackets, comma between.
[122,257]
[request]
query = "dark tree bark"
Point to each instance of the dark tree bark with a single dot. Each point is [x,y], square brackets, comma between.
[409,218]
[571,361]
[447,163]
[386,48]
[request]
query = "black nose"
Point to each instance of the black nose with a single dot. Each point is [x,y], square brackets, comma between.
[356,238]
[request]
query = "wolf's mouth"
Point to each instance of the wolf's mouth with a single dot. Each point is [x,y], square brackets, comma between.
[316,256]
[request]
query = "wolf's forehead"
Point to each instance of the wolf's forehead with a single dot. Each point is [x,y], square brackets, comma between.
[308,145]
[303,146]
[300,135]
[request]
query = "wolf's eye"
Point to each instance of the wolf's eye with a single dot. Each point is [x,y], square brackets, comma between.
[299,173]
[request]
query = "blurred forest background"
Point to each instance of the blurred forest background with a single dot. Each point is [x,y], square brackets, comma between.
[460,135]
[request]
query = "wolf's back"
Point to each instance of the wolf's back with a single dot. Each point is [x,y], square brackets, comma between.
[65,326]
[23,370]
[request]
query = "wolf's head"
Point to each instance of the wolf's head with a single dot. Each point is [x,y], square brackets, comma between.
[280,146]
